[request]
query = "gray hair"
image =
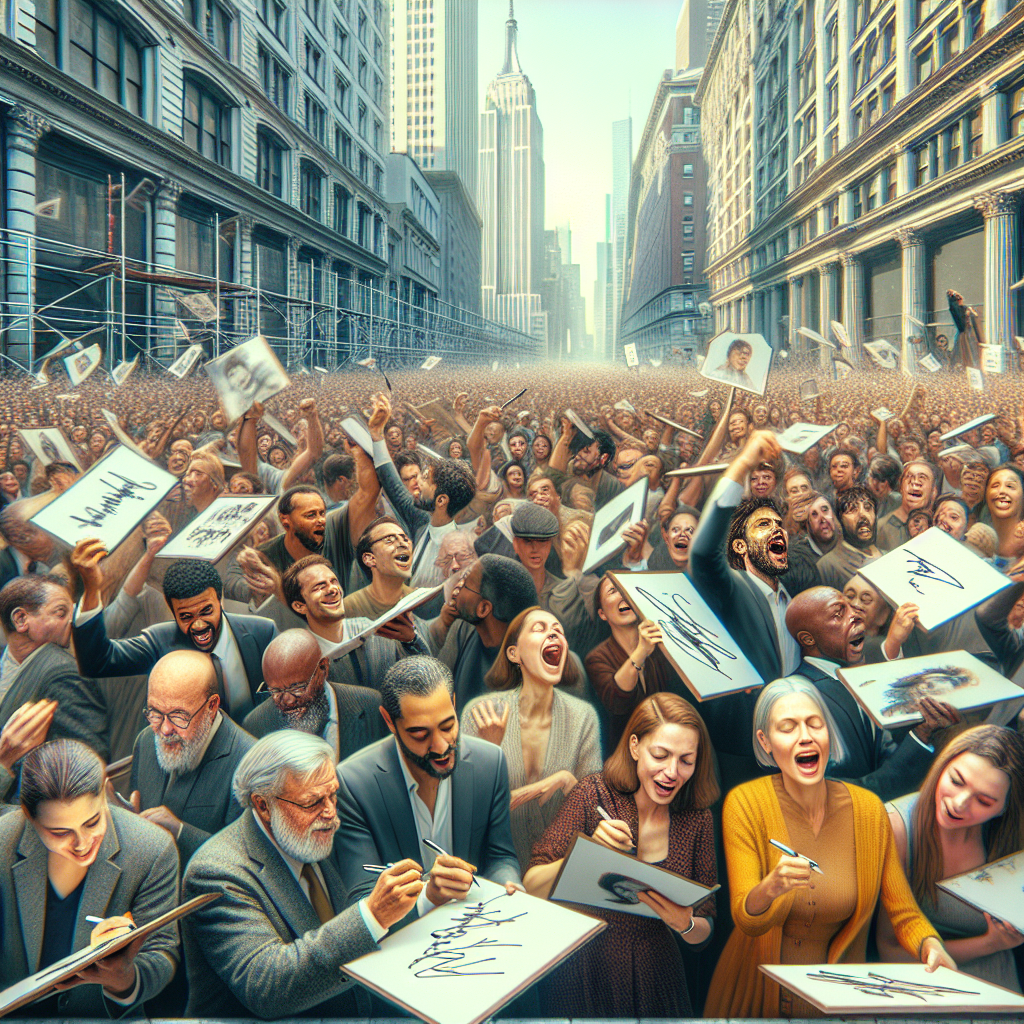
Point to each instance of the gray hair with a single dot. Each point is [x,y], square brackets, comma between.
[785,687]
[264,768]
[59,770]
[418,676]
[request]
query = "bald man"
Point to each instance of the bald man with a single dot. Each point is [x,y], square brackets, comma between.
[295,675]
[830,632]
[183,763]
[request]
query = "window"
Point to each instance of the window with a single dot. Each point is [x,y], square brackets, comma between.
[342,202]
[343,146]
[340,41]
[953,146]
[949,42]
[974,19]
[362,71]
[688,258]
[924,10]
[687,199]
[312,8]
[687,170]
[831,214]
[206,123]
[923,64]
[314,62]
[362,27]
[1015,112]
[888,95]
[362,119]
[688,231]
[315,119]
[976,131]
[364,167]
[310,189]
[276,81]
[341,94]
[99,53]
[274,14]
[920,157]
[378,179]
[269,163]
[889,182]
[212,21]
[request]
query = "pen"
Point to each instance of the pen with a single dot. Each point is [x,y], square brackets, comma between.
[607,817]
[92,919]
[792,853]
[511,400]
[376,869]
[431,845]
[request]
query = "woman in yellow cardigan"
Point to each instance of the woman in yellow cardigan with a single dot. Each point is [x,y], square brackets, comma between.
[784,912]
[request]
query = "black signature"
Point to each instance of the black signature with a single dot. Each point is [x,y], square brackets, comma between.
[924,570]
[696,640]
[452,960]
[111,501]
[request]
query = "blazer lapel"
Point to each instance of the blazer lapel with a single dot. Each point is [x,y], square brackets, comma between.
[761,602]
[395,801]
[462,803]
[30,890]
[220,746]
[247,648]
[99,884]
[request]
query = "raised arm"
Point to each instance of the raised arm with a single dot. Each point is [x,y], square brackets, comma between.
[362,505]
[560,453]
[306,457]
[247,453]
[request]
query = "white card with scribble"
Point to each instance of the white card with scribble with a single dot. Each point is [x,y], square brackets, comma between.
[109,501]
[616,515]
[699,647]
[891,691]
[219,527]
[997,888]
[943,577]
[465,960]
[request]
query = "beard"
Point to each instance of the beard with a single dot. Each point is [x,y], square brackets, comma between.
[308,847]
[761,561]
[425,504]
[312,718]
[175,754]
[856,541]
[426,764]
[311,543]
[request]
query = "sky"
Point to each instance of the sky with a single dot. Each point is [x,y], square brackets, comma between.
[591,62]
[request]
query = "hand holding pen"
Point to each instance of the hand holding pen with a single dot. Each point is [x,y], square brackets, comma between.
[449,878]
[616,835]
[791,872]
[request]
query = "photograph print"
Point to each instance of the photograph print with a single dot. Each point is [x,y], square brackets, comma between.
[48,445]
[247,373]
[739,360]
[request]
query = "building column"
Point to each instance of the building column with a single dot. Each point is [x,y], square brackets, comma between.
[774,316]
[796,311]
[1001,244]
[905,16]
[913,264]
[24,130]
[853,304]
[845,39]
[828,304]
[165,220]
[246,313]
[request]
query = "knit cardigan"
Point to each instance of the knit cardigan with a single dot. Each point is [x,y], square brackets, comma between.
[751,816]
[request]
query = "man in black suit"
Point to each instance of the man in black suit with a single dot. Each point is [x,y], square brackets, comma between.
[423,782]
[193,591]
[830,632]
[295,676]
[182,765]
[29,549]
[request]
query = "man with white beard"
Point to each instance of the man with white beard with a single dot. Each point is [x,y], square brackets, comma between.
[275,945]
[182,765]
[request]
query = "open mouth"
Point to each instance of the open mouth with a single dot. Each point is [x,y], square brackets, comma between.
[807,762]
[625,608]
[949,814]
[551,653]
[203,638]
[856,642]
[777,546]
[404,560]
[664,789]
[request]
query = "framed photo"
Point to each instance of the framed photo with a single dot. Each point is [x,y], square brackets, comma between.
[596,876]
[801,436]
[123,371]
[884,354]
[739,360]
[626,508]
[48,445]
[997,888]
[890,691]
[700,649]
[79,365]
[216,530]
[108,501]
[939,574]
[181,366]
[247,373]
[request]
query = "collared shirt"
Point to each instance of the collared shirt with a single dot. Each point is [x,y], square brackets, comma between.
[428,547]
[10,668]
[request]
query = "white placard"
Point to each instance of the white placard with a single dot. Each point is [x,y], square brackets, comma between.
[108,501]
[997,888]
[992,358]
[122,437]
[852,990]
[939,574]
[801,436]
[882,414]
[625,509]
[464,960]
[699,647]
[358,434]
[596,876]
[739,360]
[217,529]
[411,601]
[978,421]
[430,362]
[80,364]
[883,353]
[930,363]
[248,373]
[674,425]
[200,305]
[280,429]
[975,379]
[808,390]
[123,371]
[812,335]
[48,445]
[631,356]
[890,691]
[840,333]
[579,424]
[185,362]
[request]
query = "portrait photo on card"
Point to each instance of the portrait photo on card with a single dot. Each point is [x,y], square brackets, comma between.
[740,360]
[698,646]
[48,445]
[247,373]
[941,576]
[626,508]
[219,527]
[891,691]
[184,363]
[108,501]
[996,888]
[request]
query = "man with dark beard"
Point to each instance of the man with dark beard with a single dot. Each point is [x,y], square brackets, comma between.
[591,464]
[295,676]
[183,763]
[403,790]
[856,507]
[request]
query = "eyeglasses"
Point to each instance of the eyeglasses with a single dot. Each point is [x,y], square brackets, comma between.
[296,690]
[391,539]
[327,800]
[180,719]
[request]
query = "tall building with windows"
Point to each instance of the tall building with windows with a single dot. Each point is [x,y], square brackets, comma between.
[602,279]
[695,30]
[864,158]
[511,195]
[622,168]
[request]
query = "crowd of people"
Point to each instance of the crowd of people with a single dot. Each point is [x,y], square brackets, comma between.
[176,727]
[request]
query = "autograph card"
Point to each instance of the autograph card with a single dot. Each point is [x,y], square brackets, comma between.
[109,501]
[939,574]
[463,961]
[215,531]
[700,649]
[626,508]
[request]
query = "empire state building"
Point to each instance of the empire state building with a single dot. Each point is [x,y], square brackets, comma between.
[511,196]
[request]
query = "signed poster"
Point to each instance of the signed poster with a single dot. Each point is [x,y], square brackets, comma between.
[465,960]
[626,508]
[997,888]
[216,530]
[48,445]
[939,574]
[109,501]
[890,691]
[699,647]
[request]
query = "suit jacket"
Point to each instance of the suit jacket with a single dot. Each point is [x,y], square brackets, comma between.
[261,950]
[100,657]
[416,519]
[378,827]
[991,619]
[135,870]
[874,760]
[8,566]
[205,802]
[359,718]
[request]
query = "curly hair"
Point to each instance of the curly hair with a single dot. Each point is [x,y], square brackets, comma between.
[189,577]
[738,525]
[507,585]
[851,496]
[455,479]
[418,676]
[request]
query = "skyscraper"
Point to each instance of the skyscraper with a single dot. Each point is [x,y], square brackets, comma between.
[622,169]
[695,30]
[511,195]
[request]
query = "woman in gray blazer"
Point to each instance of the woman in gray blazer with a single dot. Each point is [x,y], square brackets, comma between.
[65,856]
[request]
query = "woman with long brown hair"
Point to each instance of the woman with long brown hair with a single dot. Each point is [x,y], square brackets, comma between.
[656,788]
[969,811]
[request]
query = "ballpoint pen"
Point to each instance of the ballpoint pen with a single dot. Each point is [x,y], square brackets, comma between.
[431,845]
[792,853]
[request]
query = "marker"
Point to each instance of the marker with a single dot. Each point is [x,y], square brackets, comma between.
[431,845]
[792,853]
[511,400]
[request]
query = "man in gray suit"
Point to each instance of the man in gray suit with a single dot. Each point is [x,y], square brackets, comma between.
[182,765]
[423,783]
[274,945]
